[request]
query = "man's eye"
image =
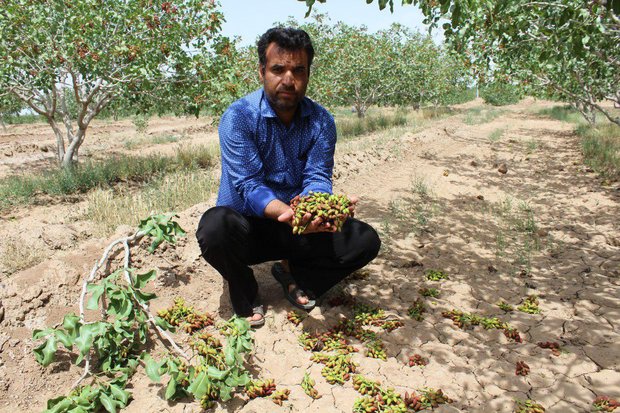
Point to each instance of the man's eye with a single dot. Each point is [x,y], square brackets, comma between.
[300,70]
[277,70]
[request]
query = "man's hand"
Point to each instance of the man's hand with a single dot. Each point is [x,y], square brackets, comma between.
[354,200]
[316,225]
[287,216]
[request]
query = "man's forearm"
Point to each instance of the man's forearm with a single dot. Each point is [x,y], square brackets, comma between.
[275,208]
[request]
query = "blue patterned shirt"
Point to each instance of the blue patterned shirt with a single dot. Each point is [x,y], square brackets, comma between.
[263,160]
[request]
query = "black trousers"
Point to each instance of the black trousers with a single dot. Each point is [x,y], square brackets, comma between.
[231,242]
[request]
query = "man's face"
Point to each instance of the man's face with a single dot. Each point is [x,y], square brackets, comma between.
[285,78]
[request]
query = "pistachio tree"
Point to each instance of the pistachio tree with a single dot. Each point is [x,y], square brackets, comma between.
[570,48]
[95,52]
[356,68]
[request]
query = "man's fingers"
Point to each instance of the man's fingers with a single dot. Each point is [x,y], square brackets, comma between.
[286,216]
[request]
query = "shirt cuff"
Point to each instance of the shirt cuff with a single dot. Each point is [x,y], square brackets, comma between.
[259,198]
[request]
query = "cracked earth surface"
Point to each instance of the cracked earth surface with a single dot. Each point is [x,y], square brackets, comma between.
[546,227]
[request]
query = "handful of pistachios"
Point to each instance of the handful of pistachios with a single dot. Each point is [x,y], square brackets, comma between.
[329,208]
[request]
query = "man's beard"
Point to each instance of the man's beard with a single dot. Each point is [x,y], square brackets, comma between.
[284,104]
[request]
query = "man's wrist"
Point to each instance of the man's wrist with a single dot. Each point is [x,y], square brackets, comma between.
[275,209]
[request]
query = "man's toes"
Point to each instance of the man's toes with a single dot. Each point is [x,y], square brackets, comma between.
[255,317]
[301,299]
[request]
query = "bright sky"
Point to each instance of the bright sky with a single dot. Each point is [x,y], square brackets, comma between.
[251,18]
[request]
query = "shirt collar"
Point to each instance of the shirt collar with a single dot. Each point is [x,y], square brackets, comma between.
[267,111]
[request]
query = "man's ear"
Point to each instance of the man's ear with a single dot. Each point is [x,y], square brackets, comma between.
[261,72]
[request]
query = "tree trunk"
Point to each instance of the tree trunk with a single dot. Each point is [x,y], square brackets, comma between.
[71,155]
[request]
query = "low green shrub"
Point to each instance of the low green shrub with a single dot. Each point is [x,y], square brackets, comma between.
[601,148]
[500,94]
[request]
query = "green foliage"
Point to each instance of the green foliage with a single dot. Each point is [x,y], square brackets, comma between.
[459,95]
[69,61]
[429,292]
[417,309]
[109,396]
[436,275]
[567,48]
[161,228]
[500,94]
[397,66]
[117,340]
[141,122]
[10,106]
[203,379]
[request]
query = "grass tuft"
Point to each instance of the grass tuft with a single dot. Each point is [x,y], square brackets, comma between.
[479,115]
[14,257]
[84,177]
[154,140]
[496,135]
[601,148]
[351,127]
[563,113]
[179,190]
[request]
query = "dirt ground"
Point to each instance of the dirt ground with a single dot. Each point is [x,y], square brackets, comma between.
[506,208]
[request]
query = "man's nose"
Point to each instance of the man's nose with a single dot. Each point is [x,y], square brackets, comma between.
[288,78]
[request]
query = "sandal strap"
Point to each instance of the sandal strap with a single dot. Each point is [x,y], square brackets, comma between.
[298,293]
[259,309]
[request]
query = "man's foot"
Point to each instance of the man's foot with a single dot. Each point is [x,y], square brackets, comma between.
[301,299]
[293,293]
[257,319]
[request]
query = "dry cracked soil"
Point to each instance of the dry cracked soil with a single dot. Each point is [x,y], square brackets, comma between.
[504,207]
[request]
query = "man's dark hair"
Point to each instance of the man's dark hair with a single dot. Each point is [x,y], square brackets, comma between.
[288,38]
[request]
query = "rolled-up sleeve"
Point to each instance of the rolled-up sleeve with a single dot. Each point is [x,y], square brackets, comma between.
[242,162]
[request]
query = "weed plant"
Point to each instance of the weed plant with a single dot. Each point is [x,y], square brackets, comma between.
[89,175]
[14,257]
[351,127]
[479,115]
[601,148]
[141,122]
[459,96]
[600,144]
[154,140]
[496,135]
[563,113]
[516,237]
[177,191]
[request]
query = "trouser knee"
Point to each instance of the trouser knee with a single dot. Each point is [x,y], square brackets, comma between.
[367,243]
[221,228]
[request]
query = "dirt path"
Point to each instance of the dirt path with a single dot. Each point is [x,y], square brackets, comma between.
[545,227]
